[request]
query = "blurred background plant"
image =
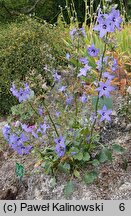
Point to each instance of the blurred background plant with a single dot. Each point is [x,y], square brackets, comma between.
[27,46]
[49,10]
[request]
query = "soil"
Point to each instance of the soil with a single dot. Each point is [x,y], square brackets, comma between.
[113,182]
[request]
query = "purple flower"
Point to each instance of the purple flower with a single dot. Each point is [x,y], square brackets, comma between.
[84,70]
[99,62]
[73,33]
[60,146]
[34,134]
[42,128]
[26,128]
[57,114]
[16,140]
[104,112]
[83,60]
[103,27]
[107,75]
[69,100]
[82,30]
[40,110]
[108,22]
[23,94]
[14,91]
[6,132]
[100,16]
[68,56]
[92,51]
[93,118]
[114,65]
[83,98]
[56,77]
[23,150]
[23,137]
[62,89]
[13,139]
[17,143]
[115,18]
[104,89]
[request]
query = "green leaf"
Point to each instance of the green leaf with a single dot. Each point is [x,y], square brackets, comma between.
[95,162]
[107,102]
[74,149]
[76,143]
[94,99]
[68,189]
[102,101]
[84,131]
[86,156]
[105,155]
[64,167]
[102,156]
[109,154]
[47,165]
[19,170]
[118,149]
[73,61]
[78,156]
[90,177]
[77,174]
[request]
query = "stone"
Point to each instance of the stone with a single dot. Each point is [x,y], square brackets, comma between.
[128,127]
[123,125]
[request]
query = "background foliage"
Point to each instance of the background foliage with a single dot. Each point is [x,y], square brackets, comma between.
[49,9]
[27,46]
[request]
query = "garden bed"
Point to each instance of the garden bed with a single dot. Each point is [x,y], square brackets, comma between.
[113,182]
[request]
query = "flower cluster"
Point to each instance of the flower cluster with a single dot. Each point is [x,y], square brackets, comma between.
[22,94]
[16,141]
[60,146]
[108,22]
[22,135]
[76,32]
[92,51]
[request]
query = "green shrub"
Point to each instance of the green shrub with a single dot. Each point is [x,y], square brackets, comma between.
[27,45]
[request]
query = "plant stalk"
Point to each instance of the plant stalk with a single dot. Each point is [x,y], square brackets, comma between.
[51,120]
[97,102]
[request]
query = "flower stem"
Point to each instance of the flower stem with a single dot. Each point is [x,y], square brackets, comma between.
[77,70]
[51,120]
[33,109]
[97,101]
[48,115]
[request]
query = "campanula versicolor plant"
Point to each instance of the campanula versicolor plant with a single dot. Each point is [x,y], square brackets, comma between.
[67,130]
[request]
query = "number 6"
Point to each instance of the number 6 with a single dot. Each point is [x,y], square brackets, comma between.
[122,207]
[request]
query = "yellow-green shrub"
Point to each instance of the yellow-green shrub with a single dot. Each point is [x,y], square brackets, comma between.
[26,45]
